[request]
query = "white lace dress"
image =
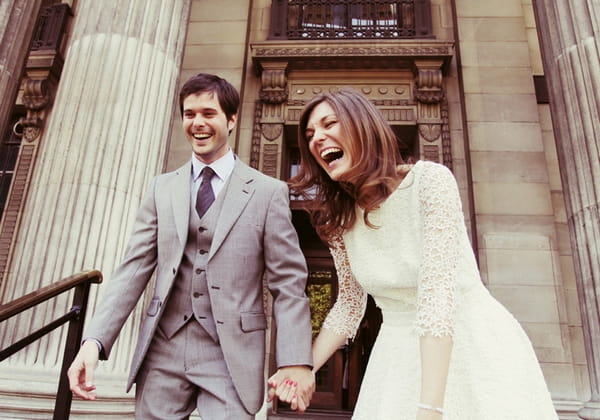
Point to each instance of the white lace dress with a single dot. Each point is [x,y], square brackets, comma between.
[420,269]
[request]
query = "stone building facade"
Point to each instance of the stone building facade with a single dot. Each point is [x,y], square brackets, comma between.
[89,115]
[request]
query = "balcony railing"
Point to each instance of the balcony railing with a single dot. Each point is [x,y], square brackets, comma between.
[350,19]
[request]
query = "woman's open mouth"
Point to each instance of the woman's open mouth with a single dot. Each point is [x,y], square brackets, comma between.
[331,154]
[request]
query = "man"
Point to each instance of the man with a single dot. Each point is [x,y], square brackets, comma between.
[210,238]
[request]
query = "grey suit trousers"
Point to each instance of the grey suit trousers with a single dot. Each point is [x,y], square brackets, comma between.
[183,373]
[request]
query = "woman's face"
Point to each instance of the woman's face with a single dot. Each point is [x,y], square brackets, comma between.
[326,141]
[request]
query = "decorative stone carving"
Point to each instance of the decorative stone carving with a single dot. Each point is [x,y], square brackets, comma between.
[36,97]
[428,83]
[362,50]
[272,132]
[274,85]
[361,54]
[446,143]
[270,159]
[418,99]
[430,132]
[431,152]
[256,136]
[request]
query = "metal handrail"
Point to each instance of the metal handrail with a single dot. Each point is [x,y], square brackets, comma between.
[81,282]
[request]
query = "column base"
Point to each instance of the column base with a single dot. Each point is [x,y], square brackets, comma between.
[590,410]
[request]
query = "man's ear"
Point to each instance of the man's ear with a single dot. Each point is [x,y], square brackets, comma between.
[231,123]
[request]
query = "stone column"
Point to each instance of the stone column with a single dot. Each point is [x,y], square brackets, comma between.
[106,137]
[570,44]
[17,21]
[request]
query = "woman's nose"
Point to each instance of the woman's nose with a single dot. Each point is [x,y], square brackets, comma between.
[318,135]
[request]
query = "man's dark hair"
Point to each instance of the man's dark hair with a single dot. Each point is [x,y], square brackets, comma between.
[228,96]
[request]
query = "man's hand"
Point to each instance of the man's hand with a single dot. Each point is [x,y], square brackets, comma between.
[294,385]
[81,371]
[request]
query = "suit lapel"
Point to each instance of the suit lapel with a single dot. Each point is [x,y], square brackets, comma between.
[238,193]
[180,201]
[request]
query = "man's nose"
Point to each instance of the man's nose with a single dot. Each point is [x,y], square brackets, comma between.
[198,121]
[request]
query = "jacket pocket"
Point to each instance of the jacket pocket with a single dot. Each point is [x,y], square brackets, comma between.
[252,321]
[153,307]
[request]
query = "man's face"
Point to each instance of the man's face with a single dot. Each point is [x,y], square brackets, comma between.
[206,127]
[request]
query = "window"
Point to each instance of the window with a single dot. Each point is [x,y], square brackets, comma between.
[350,19]
[9,151]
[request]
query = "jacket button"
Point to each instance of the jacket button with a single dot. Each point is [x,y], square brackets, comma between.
[203,251]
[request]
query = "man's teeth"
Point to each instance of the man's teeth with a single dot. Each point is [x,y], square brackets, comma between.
[201,136]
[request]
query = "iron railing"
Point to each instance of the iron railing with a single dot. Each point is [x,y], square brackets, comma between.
[350,19]
[81,282]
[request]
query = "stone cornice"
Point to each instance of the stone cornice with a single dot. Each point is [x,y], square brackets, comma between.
[344,54]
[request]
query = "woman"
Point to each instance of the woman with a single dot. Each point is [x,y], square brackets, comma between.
[446,349]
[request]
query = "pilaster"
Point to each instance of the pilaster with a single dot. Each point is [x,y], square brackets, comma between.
[17,21]
[273,95]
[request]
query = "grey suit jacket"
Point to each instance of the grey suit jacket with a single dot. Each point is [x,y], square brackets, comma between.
[254,237]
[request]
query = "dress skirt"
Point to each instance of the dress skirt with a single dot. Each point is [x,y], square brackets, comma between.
[494,373]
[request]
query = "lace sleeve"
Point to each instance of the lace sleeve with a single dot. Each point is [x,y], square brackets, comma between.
[441,213]
[349,308]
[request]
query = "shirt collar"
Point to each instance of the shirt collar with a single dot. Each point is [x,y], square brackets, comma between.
[222,166]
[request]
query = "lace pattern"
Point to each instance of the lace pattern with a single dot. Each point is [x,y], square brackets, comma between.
[349,308]
[441,213]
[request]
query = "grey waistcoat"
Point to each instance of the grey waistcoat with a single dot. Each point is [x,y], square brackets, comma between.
[189,298]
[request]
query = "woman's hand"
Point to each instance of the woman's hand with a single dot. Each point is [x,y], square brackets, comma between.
[294,385]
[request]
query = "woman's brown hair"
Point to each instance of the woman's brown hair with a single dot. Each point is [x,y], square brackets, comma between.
[372,177]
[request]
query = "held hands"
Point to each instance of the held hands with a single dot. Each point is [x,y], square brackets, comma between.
[294,385]
[81,371]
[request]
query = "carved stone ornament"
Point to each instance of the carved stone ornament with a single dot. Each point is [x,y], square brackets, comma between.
[274,86]
[272,131]
[428,85]
[36,94]
[36,97]
[363,50]
[360,54]
[430,132]
[31,131]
